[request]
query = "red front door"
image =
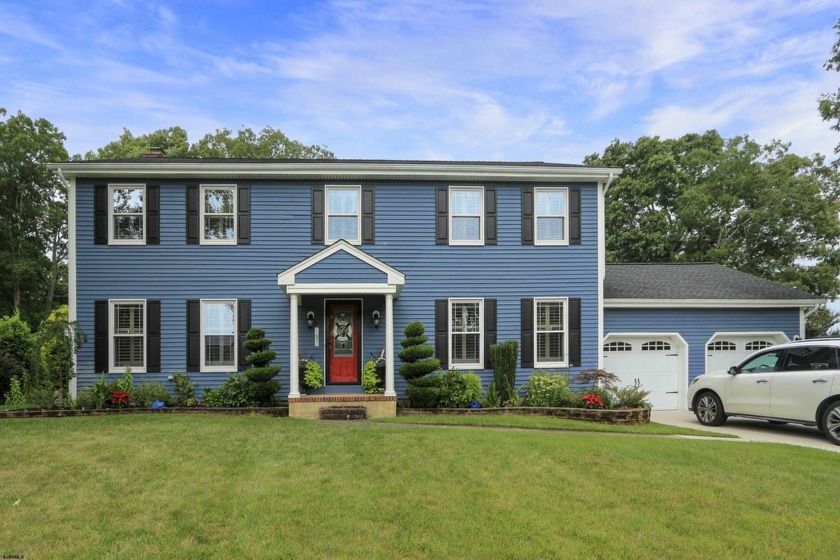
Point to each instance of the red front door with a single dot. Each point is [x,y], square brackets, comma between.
[343,332]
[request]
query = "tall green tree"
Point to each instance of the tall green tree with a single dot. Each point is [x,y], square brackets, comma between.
[223,143]
[33,216]
[760,209]
[829,103]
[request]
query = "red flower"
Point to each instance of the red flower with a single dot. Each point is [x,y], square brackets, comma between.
[120,398]
[591,400]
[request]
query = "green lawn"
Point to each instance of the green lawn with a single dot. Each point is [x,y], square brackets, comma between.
[196,486]
[546,423]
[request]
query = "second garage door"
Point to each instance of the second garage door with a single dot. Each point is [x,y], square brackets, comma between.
[655,360]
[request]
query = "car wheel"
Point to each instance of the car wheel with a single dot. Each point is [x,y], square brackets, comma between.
[831,423]
[709,410]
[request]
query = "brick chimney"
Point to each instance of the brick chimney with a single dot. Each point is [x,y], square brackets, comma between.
[155,152]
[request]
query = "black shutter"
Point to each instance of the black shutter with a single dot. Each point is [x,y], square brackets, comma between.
[574,216]
[574,332]
[442,332]
[490,236]
[243,210]
[100,214]
[100,328]
[527,319]
[528,216]
[317,215]
[153,336]
[243,320]
[153,214]
[368,215]
[489,331]
[193,215]
[442,216]
[193,335]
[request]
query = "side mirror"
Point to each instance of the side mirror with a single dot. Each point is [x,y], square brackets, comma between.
[733,370]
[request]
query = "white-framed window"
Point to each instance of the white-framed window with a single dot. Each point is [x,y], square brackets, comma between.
[618,347]
[127,335]
[656,346]
[127,214]
[218,214]
[466,215]
[218,335]
[757,345]
[550,332]
[551,209]
[466,333]
[343,214]
[721,346]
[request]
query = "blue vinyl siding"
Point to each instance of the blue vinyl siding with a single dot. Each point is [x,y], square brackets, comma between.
[340,268]
[697,326]
[174,272]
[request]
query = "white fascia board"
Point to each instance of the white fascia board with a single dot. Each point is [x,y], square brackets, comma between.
[707,303]
[381,170]
[287,277]
[341,289]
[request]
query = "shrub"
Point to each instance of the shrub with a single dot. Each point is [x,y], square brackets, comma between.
[598,378]
[548,389]
[492,398]
[19,344]
[313,375]
[120,399]
[603,394]
[458,390]
[59,339]
[260,375]
[86,399]
[151,391]
[126,384]
[235,392]
[370,381]
[14,398]
[591,400]
[424,392]
[101,392]
[504,367]
[417,356]
[184,389]
[631,396]
[42,395]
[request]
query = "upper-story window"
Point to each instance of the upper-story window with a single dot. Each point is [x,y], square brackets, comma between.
[127,214]
[550,223]
[466,216]
[218,214]
[343,216]
[127,333]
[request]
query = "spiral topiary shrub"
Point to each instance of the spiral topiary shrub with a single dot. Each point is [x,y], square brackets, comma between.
[260,375]
[417,356]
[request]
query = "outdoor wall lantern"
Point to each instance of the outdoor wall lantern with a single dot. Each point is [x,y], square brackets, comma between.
[375,317]
[310,319]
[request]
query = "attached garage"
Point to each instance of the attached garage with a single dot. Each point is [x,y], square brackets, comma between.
[665,324]
[657,360]
[727,349]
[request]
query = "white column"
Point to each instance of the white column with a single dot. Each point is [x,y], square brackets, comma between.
[389,346]
[294,382]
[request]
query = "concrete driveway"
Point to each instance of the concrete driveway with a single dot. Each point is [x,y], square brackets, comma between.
[751,430]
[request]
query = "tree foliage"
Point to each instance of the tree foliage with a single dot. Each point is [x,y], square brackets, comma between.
[829,103]
[33,217]
[759,209]
[417,356]
[223,143]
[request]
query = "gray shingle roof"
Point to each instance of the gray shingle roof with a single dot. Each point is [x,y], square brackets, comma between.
[704,281]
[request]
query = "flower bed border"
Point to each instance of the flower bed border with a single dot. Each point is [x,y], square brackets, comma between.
[635,416]
[276,411]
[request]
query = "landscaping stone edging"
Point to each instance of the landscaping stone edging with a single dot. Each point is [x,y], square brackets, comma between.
[275,411]
[608,416]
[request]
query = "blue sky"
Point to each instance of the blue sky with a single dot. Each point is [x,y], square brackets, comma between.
[546,80]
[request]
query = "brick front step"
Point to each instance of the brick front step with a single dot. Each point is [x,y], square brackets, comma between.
[343,413]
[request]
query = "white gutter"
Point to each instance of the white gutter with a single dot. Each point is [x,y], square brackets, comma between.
[812,310]
[609,182]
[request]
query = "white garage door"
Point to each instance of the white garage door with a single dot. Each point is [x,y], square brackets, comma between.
[655,360]
[725,350]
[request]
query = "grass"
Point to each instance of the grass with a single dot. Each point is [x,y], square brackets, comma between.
[546,423]
[196,486]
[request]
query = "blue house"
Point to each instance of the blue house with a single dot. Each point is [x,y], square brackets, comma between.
[173,261]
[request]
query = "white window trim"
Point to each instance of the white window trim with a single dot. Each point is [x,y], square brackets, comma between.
[224,369]
[481,216]
[327,239]
[202,240]
[111,188]
[111,303]
[480,363]
[555,242]
[565,361]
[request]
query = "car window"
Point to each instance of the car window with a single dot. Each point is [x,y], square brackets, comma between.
[809,358]
[768,361]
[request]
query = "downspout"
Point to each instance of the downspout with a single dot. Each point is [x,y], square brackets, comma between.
[804,317]
[71,271]
[606,186]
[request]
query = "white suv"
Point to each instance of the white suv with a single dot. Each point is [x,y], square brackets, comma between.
[793,382]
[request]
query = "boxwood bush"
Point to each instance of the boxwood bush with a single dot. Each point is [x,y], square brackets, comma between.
[549,389]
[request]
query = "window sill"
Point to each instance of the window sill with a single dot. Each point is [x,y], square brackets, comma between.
[550,364]
[459,367]
[121,370]
[126,242]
